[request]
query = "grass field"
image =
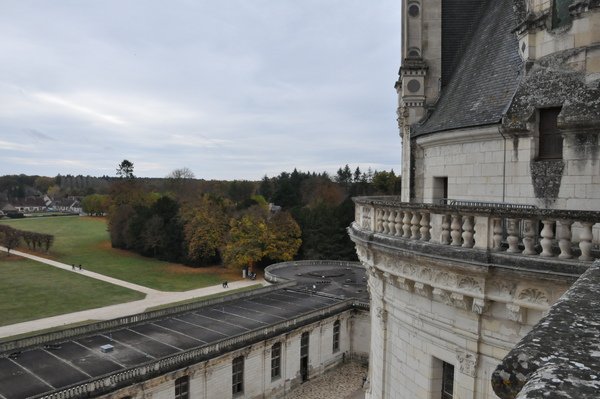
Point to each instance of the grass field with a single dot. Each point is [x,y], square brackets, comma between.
[30,290]
[85,241]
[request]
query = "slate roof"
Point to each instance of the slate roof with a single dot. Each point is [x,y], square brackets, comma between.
[485,77]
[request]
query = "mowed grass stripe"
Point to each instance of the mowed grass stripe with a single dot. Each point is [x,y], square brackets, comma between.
[85,241]
[30,290]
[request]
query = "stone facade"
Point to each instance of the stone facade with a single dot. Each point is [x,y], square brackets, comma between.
[213,378]
[455,287]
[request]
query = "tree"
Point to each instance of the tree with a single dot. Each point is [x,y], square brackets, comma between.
[254,237]
[283,238]
[95,204]
[247,241]
[205,229]
[125,169]
[9,237]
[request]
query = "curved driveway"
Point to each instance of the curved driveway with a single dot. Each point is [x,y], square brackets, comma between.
[153,298]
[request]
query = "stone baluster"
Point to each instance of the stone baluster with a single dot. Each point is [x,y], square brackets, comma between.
[415,226]
[445,238]
[512,230]
[528,237]
[390,222]
[547,238]
[425,226]
[406,224]
[378,221]
[398,222]
[384,221]
[497,233]
[456,233]
[585,241]
[564,242]
[467,234]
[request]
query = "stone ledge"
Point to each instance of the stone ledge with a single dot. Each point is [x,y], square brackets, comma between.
[560,357]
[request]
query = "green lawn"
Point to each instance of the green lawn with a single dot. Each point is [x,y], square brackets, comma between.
[85,241]
[30,290]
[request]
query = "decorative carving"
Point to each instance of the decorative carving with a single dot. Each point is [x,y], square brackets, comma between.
[503,288]
[409,270]
[515,312]
[442,296]
[461,301]
[405,284]
[467,362]
[426,274]
[479,305]
[534,295]
[446,279]
[469,284]
[423,289]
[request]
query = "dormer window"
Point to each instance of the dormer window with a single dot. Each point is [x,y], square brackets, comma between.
[550,139]
[560,13]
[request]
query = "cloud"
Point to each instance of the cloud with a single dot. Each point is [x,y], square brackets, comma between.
[231,89]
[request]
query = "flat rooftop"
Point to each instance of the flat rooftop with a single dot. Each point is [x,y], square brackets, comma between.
[58,365]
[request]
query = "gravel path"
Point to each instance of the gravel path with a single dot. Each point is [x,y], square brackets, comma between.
[343,382]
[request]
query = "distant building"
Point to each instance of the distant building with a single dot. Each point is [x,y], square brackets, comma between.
[499,114]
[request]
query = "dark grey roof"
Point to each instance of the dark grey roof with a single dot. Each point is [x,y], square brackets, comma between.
[459,18]
[75,362]
[485,77]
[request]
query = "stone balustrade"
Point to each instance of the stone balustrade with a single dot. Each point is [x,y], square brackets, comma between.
[567,235]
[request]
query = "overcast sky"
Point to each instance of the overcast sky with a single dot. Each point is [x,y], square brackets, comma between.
[232,89]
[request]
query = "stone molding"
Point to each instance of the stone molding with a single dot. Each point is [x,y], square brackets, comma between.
[453,287]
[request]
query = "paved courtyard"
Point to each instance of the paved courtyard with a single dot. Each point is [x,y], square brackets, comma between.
[343,382]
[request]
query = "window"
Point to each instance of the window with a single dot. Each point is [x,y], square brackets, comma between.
[276,361]
[560,13]
[237,375]
[182,387]
[551,141]
[440,189]
[447,381]
[336,336]
[304,356]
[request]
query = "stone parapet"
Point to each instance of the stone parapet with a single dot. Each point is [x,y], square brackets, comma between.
[560,357]
[491,233]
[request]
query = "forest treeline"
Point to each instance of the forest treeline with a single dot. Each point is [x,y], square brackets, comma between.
[295,215]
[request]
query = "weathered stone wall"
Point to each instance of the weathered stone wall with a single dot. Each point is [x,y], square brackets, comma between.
[483,165]
[429,309]
[212,378]
[559,357]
